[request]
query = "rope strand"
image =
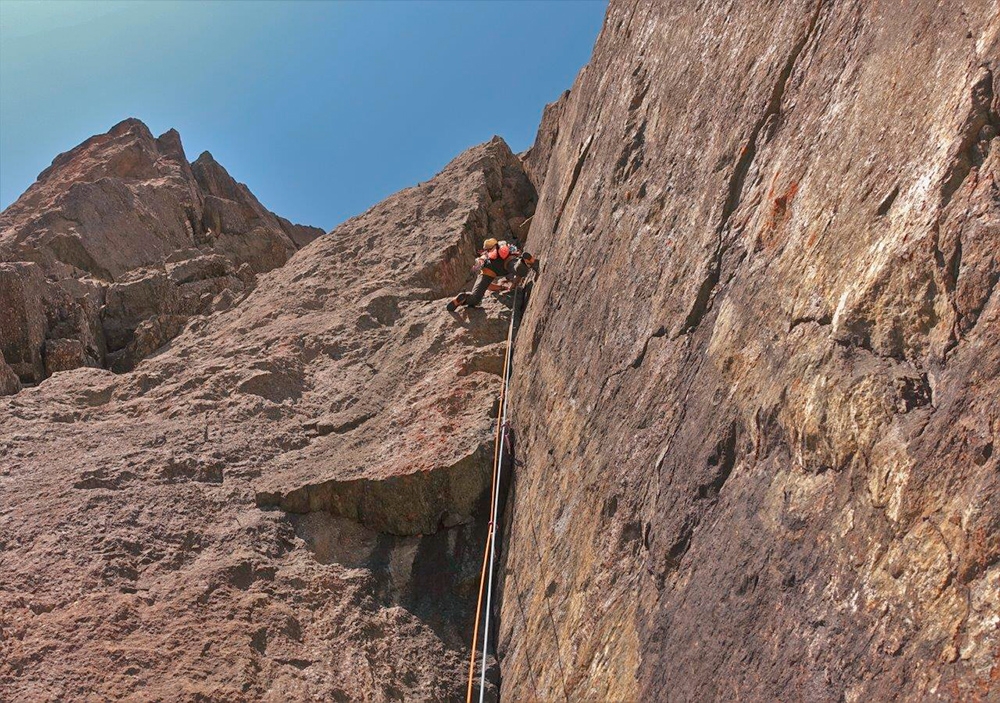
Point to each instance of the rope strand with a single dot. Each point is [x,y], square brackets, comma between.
[489,553]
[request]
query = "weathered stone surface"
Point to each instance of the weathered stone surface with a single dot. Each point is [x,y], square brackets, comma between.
[63,355]
[758,409]
[199,268]
[237,224]
[755,395]
[143,295]
[288,501]
[114,208]
[148,336]
[300,234]
[9,382]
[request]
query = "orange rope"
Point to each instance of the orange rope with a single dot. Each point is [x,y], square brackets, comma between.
[489,528]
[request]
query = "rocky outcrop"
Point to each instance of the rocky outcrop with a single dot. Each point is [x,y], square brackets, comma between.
[286,503]
[22,319]
[123,207]
[758,411]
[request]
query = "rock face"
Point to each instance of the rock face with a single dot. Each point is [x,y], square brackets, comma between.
[118,209]
[758,409]
[756,393]
[287,503]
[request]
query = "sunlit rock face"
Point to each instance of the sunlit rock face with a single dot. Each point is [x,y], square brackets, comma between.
[755,393]
[756,387]
[289,501]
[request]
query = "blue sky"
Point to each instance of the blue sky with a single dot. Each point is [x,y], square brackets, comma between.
[321,108]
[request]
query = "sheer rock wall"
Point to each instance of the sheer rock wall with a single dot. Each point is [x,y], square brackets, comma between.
[756,387]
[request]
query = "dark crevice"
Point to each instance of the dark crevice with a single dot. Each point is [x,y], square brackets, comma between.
[972,147]
[886,204]
[822,321]
[954,266]
[635,363]
[723,461]
[701,300]
[676,552]
[661,331]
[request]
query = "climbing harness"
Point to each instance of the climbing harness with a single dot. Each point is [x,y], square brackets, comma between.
[500,443]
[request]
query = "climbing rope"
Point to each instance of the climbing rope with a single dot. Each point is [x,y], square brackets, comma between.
[489,553]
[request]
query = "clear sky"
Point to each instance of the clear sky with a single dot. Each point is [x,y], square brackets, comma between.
[322,108]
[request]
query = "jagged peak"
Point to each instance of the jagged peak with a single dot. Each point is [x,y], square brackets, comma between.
[206,158]
[130,124]
[169,143]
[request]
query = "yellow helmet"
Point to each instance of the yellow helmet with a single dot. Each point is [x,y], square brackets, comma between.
[489,243]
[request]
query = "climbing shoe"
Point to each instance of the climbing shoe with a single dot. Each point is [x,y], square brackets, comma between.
[458,300]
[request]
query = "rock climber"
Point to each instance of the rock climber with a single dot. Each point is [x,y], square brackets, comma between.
[497,260]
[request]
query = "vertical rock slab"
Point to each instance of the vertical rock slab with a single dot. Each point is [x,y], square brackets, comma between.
[22,320]
[757,406]
[9,382]
[536,158]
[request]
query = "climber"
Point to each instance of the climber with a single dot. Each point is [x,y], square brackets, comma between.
[498,259]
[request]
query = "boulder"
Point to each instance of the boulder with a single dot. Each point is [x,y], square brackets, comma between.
[199,268]
[149,335]
[143,295]
[9,382]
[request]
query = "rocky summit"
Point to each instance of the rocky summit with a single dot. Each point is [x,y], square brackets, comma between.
[755,391]
[121,241]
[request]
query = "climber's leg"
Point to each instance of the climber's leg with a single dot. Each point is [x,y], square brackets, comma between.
[473,297]
[478,291]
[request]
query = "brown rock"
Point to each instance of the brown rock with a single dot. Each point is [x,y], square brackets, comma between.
[63,355]
[149,335]
[22,319]
[300,234]
[536,158]
[199,268]
[239,225]
[755,395]
[144,295]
